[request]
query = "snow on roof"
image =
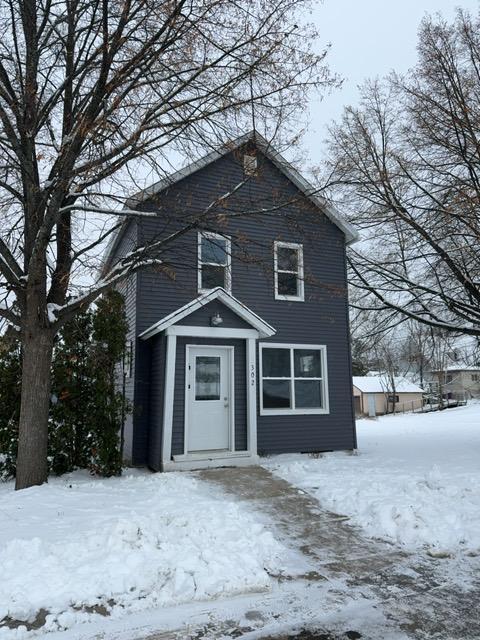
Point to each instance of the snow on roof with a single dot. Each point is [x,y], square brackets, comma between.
[381,384]
[457,367]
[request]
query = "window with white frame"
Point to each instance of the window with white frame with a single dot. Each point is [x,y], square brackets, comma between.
[293,379]
[288,269]
[128,359]
[214,262]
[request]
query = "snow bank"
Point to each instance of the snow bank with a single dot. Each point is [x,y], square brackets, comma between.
[127,544]
[415,480]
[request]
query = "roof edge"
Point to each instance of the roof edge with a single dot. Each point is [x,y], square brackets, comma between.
[351,234]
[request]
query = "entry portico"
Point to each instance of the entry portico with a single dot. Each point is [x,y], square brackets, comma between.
[209,382]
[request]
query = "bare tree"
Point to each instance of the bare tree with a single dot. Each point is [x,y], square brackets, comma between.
[406,164]
[95,93]
[417,350]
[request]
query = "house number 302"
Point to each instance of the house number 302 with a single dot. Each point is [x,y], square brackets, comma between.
[252,375]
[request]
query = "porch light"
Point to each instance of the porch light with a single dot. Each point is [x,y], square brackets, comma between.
[216,320]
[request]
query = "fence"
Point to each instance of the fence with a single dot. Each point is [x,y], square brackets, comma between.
[427,404]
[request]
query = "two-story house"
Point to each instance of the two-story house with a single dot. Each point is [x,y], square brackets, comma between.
[458,381]
[239,340]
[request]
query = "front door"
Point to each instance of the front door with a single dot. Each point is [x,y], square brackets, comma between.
[208,415]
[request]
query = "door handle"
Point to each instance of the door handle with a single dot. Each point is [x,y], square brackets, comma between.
[226,404]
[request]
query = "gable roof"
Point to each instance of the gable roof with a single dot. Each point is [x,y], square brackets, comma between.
[351,235]
[381,384]
[264,329]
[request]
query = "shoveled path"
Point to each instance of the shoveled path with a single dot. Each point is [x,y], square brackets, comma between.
[422,597]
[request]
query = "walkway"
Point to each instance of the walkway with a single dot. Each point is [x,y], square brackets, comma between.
[423,596]
[413,596]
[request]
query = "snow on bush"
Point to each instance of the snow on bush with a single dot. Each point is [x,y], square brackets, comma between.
[415,480]
[127,544]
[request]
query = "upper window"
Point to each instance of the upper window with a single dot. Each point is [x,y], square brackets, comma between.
[214,262]
[294,379]
[288,268]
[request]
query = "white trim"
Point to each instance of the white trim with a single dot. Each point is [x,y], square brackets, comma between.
[210,332]
[324,379]
[264,329]
[168,396]
[228,266]
[191,463]
[251,379]
[299,273]
[231,436]
[211,455]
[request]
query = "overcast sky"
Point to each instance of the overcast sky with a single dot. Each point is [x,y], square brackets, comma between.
[368,38]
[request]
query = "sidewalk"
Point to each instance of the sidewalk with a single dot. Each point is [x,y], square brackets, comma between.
[423,597]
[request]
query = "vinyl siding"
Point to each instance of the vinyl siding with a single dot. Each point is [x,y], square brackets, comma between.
[157,381]
[128,289]
[321,319]
[201,317]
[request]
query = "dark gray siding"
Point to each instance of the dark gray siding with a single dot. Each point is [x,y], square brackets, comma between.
[155,419]
[239,385]
[201,317]
[321,319]
[128,288]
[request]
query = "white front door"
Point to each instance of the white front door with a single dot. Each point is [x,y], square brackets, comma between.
[208,415]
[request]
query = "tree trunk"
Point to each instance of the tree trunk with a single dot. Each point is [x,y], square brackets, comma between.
[33,425]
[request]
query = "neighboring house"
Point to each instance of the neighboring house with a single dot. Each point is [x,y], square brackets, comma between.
[458,381]
[374,395]
[240,344]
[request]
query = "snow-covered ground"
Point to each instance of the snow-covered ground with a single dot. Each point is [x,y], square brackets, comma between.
[126,544]
[175,552]
[415,480]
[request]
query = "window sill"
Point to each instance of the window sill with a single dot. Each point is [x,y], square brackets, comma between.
[289,298]
[293,412]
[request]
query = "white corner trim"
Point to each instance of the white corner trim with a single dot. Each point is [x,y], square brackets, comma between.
[264,329]
[300,273]
[168,396]
[252,395]
[300,411]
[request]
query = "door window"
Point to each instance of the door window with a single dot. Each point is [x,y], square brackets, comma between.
[207,378]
